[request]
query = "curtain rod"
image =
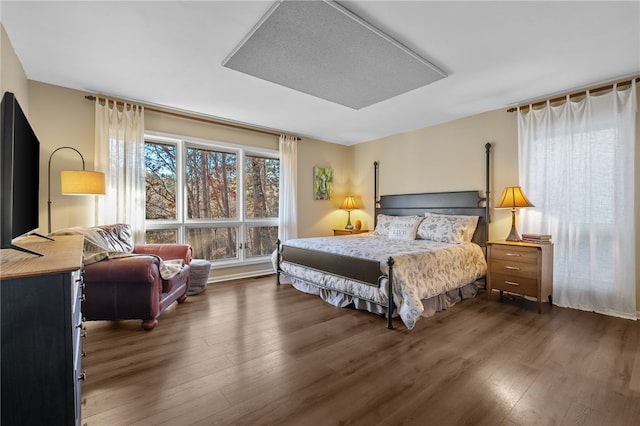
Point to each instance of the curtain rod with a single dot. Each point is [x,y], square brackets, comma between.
[207,120]
[580,93]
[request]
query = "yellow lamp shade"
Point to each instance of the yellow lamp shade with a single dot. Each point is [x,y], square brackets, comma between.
[81,182]
[513,197]
[349,203]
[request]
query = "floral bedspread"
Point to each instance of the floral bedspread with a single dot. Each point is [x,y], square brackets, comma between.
[422,268]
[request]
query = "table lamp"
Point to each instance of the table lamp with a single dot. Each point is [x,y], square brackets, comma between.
[349,204]
[513,197]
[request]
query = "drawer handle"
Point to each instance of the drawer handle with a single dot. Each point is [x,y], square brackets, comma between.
[513,268]
[512,254]
[511,283]
[82,377]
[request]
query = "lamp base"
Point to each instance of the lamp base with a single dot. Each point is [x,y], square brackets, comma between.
[349,225]
[513,235]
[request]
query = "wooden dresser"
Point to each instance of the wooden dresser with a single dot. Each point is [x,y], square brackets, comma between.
[521,268]
[41,332]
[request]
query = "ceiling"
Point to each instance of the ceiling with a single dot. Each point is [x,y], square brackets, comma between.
[170,53]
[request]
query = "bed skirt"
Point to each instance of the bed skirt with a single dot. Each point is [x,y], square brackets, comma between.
[431,305]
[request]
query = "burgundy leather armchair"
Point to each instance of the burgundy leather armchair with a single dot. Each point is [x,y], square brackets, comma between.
[132,287]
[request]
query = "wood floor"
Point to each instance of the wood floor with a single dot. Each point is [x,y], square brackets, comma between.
[250,353]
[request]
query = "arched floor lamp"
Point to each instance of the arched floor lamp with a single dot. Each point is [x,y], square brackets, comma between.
[75,182]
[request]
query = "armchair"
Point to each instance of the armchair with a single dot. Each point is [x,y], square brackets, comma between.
[131,286]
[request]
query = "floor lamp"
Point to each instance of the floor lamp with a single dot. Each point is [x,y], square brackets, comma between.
[75,182]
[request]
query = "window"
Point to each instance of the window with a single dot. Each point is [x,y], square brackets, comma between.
[220,198]
[160,162]
[576,164]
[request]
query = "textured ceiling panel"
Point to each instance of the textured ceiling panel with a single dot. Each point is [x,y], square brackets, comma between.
[322,49]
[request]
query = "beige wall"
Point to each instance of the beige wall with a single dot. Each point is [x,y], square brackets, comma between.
[446,157]
[168,124]
[12,76]
[62,117]
[319,217]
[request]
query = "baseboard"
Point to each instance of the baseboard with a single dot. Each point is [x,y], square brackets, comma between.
[230,277]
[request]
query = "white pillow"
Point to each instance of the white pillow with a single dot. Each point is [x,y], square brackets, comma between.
[404,227]
[383,223]
[447,228]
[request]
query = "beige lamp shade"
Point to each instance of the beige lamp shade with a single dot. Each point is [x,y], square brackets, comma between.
[349,203]
[513,197]
[81,182]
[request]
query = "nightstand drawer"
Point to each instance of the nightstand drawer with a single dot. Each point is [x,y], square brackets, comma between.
[514,268]
[520,285]
[514,253]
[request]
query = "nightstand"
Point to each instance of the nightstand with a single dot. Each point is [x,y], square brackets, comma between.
[349,231]
[521,268]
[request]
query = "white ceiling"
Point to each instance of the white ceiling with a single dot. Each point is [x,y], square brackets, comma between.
[170,53]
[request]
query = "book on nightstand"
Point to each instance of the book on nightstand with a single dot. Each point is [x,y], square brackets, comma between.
[537,238]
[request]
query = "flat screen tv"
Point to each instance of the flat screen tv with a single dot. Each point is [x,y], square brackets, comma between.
[19,174]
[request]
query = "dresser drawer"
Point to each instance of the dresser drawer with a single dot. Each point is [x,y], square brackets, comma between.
[514,253]
[520,285]
[514,268]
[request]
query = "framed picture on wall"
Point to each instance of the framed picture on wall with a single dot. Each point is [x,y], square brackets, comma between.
[322,183]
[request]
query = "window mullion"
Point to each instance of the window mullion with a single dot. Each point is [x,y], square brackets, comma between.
[182,192]
[242,230]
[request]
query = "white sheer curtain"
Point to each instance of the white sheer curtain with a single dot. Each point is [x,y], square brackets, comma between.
[119,153]
[288,210]
[577,166]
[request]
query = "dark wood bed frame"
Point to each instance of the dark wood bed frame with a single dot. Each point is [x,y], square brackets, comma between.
[368,271]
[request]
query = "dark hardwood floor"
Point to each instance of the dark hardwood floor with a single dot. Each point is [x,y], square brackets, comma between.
[250,353]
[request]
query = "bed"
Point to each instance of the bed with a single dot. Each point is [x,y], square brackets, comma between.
[425,254]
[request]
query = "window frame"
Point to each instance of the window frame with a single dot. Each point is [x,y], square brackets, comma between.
[182,223]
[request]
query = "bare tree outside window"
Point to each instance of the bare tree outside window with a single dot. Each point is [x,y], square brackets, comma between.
[262,178]
[161,236]
[225,205]
[211,178]
[160,165]
[214,243]
[211,184]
